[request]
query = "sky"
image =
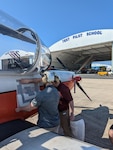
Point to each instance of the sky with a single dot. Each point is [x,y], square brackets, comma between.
[54,20]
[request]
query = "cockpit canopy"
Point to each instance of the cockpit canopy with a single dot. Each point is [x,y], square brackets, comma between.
[21,50]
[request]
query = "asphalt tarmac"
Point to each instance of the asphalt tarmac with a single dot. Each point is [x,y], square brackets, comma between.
[97,112]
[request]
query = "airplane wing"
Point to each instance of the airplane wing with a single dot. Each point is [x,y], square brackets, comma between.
[41,139]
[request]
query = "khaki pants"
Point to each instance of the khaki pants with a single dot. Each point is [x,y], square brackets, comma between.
[65,123]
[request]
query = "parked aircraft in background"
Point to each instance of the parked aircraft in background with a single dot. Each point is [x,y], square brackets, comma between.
[26,57]
[96,66]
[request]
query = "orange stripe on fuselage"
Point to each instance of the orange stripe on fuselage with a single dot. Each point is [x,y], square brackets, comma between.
[8,103]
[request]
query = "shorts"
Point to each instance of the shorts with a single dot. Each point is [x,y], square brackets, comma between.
[54,129]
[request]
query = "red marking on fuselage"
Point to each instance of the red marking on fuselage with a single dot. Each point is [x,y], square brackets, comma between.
[8,103]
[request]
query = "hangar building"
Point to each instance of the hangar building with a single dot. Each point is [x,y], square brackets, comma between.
[79,50]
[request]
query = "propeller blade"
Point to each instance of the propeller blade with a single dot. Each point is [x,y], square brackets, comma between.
[83,90]
[61,63]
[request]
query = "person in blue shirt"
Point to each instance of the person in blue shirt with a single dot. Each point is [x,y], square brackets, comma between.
[46,103]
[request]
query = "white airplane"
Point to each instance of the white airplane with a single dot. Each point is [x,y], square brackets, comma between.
[27,57]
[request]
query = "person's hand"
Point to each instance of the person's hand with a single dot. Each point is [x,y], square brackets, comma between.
[17,109]
[72,117]
[37,80]
[24,81]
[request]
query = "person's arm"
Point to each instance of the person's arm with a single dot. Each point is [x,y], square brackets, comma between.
[34,80]
[28,107]
[71,106]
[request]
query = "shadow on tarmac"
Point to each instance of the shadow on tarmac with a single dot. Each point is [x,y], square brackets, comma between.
[95,124]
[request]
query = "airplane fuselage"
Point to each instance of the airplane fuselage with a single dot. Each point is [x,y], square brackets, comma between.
[10,98]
